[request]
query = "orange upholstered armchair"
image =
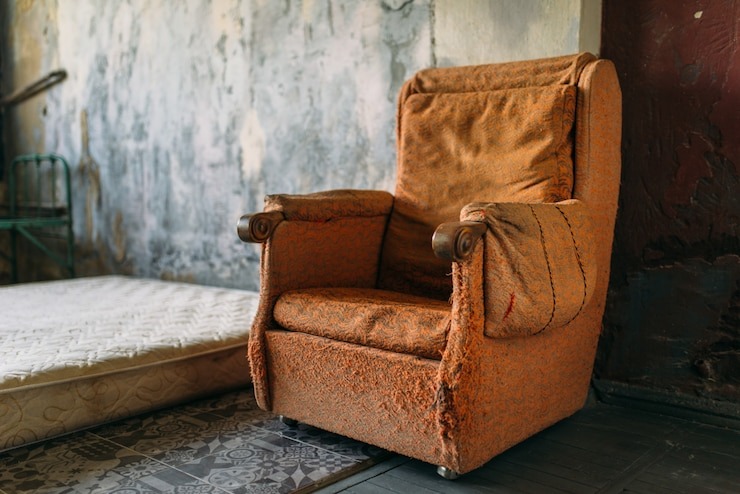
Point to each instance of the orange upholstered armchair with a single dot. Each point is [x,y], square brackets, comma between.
[460,315]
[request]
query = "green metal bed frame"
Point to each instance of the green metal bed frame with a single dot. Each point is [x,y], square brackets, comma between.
[39,207]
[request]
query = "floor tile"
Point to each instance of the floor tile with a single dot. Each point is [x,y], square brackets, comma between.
[226,404]
[80,463]
[271,463]
[181,437]
[322,439]
[172,481]
[163,421]
[209,445]
[244,411]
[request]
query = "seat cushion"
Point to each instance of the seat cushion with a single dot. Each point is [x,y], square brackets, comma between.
[381,319]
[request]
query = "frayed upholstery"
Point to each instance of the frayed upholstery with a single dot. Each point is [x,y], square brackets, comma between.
[328,205]
[552,243]
[391,321]
[556,71]
[522,385]
[299,254]
[459,379]
[504,374]
[383,398]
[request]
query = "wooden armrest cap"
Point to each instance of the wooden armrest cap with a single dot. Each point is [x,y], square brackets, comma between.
[455,241]
[258,227]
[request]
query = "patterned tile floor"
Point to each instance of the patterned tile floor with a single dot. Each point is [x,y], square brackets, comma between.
[221,445]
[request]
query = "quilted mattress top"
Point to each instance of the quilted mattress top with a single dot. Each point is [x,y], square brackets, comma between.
[67,329]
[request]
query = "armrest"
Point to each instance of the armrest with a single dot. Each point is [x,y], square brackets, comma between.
[539,265]
[324,206]
[319,206]
[324,239]
[327,239]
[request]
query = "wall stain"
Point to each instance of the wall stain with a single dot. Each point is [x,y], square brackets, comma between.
[89,172]
[119,238]
[396,4]
[24,6]
[179,277]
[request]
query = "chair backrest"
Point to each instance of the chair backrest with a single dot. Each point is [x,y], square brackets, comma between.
[499,133]
[39,186]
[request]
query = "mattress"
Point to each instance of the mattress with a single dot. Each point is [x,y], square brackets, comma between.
[78,353]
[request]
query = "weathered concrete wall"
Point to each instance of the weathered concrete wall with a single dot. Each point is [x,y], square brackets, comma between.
[673,318]
[478,31]
[195,109]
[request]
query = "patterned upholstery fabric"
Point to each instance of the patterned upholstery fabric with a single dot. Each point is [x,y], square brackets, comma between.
[391,321]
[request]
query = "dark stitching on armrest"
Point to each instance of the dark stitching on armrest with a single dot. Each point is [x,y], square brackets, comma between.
[549,271]
[580,264]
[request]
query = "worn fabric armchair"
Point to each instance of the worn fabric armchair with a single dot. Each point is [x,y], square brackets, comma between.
[460,315]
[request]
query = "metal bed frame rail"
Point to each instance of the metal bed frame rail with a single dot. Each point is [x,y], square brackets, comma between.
[39,206]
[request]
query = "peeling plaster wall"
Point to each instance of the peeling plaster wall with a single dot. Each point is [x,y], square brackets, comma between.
[180,116]
[673,314]
[195,110]
[478,31]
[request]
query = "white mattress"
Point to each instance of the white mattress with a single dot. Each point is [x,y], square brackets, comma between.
[81,352]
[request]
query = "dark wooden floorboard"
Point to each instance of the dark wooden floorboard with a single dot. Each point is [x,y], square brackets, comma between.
[602,450]
[574,455]
[625,419]
[367,488]
[699,469]
[707,438]
[679,485]
[539,477]
[623,445]
[641,486]
[399,485]
[517,482]
[564,461]
[425,476]
[376,470]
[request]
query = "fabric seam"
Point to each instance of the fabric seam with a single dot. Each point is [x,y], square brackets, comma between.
[580,264]
[549,270]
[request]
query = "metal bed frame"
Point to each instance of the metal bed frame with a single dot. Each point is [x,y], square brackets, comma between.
[39,207]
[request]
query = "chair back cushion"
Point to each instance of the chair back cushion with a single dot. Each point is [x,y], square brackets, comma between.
[492,133]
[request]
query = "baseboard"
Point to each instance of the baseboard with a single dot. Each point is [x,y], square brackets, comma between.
[721,413]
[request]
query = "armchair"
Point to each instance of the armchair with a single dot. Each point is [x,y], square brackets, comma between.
[460,315]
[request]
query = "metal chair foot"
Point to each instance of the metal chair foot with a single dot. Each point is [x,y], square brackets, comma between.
[288,421]
[446,473]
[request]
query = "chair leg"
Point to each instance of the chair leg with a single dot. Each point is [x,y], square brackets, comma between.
[447,473]
[287,421]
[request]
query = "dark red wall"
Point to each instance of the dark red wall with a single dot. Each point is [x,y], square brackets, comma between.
[673,312]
